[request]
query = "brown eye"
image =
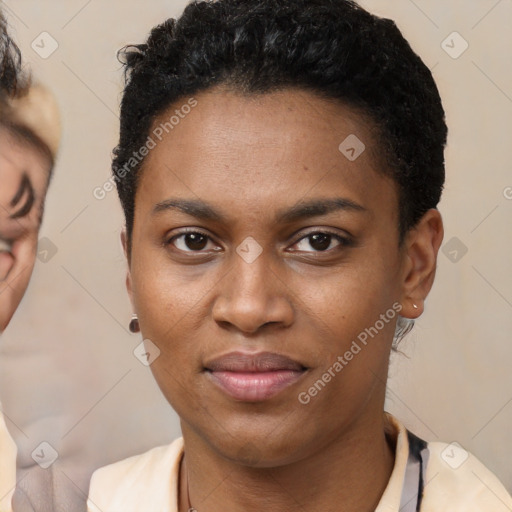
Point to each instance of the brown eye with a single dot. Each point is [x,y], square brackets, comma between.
[190,241]
[321,241]
[195,241]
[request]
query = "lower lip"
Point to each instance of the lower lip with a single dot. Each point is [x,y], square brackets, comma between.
[254,386]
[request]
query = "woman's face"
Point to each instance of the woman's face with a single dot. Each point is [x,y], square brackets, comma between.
[24,173]
[261,252]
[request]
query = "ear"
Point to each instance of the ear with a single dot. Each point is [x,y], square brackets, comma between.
[124,243]
[421,246]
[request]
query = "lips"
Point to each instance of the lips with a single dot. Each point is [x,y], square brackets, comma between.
[253,377]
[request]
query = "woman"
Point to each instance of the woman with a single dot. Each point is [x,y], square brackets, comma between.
[279,167]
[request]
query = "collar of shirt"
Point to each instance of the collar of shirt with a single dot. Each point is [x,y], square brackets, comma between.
[119,487]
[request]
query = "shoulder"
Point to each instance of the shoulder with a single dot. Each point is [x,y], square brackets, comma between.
[457,481]
[118,487]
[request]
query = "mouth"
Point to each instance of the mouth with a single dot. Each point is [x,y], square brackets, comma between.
[254,377]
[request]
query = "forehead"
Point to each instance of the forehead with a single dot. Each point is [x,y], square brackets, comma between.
[245,152]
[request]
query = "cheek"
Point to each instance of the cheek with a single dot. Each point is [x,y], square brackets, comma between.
[163,297]
[354,322]
[353,313]
[168,305]
[354,295]
[6,263]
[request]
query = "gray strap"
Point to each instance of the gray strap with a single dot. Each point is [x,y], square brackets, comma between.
[412,492]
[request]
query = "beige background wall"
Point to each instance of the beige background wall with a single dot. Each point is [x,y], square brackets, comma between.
[67,372]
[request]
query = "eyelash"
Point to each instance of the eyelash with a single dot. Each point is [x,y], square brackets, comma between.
[343,241]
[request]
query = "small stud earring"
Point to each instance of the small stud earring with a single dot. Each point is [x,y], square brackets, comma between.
[134,324]
[414,306]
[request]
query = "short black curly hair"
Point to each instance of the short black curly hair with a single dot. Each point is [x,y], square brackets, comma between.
[331,47]
[13,81]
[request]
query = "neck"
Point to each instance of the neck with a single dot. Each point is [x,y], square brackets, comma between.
[353,470]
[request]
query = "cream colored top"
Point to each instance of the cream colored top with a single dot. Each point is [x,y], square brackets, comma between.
[454,481]
[8,452]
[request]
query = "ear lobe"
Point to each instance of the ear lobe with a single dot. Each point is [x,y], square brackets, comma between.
[422,246]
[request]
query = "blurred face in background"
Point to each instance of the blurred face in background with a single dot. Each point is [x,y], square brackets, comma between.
[24,177]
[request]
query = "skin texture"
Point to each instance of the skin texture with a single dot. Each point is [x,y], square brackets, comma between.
[250,157]
[24,171]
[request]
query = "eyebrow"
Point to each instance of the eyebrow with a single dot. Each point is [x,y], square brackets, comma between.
[25,185]
[303,210]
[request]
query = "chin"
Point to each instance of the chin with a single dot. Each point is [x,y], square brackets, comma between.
[258,449]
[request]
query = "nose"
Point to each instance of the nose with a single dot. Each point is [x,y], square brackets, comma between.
[253,295]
